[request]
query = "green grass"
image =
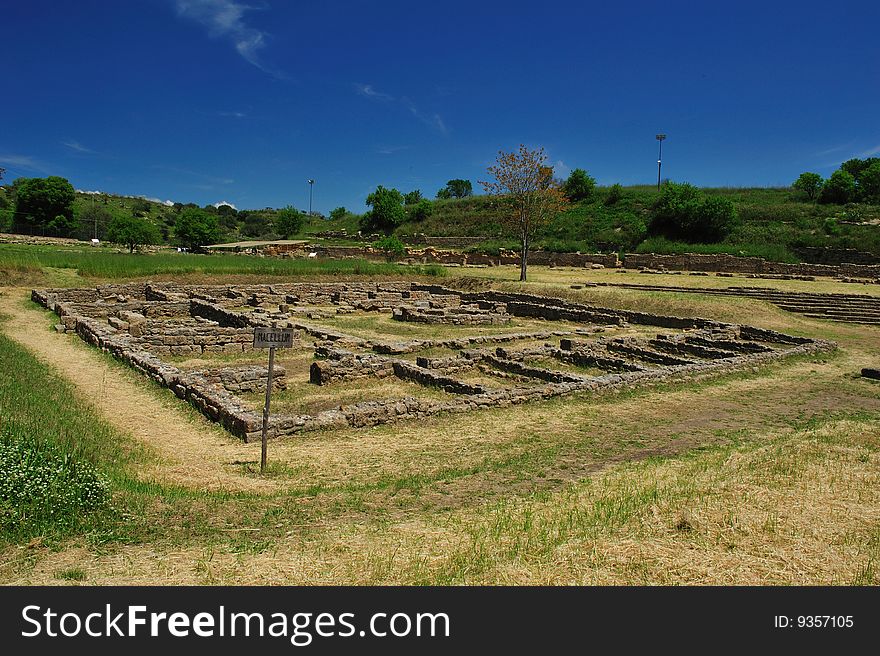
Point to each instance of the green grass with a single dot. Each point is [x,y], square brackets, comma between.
[768,251]
[774,223]
[58,461]
[103,264]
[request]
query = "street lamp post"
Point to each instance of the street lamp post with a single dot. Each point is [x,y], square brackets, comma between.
[311,184]
[660,138]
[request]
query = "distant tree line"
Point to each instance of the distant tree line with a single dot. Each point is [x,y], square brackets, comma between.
[856,181]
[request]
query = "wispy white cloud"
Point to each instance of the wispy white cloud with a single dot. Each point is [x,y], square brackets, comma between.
[390,150]
[834,149]
[25,162]
[76,146]
[232,114]
[870,152]
[368,91]
[432,120]
[225,19]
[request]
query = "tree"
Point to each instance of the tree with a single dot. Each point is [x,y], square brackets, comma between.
[579,186]
[421,210]
[810,184]
[525,186]
[869,185]
[194,229]
[840,188]
[387,212]
[457,188]
[338,213]
[412,197]
[684,212]
[40,200]
[2,171]
[132,232]
[62,226]
[289,221]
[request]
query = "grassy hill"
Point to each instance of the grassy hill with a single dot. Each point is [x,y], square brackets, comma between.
[774,223]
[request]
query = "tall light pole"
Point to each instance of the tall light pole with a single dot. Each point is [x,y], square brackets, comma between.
[660,138]
[311,184]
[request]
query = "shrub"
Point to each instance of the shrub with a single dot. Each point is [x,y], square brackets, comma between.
[615,193]
[63,225]
[338,213]
[421,210]
[412,197]
[140,206]
[579,186]
[684,212]
[391,246]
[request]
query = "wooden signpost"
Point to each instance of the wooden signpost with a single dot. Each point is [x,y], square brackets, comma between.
[270,338]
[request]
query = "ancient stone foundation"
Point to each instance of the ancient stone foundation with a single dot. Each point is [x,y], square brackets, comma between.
[584,349]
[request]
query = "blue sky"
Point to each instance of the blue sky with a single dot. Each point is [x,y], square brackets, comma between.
[244,100]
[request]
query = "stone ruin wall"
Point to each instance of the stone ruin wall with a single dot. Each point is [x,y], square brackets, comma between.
[213,392]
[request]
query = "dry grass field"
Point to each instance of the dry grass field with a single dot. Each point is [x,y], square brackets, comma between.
[769,476]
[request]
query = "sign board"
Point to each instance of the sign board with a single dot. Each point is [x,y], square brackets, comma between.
[273,337]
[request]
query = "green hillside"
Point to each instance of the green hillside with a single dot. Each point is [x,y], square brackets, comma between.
[772,222]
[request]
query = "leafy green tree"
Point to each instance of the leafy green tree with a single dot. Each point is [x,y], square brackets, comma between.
[840,188]
[412,197]
[289,221]
[444,194]
[338,213]
[39,201]
[869,184]
[855,167]
[457,188]
[579,186]
[683,212]
[809,184]
[387,210]
[194,229]
[62,226]
[132,231]
[421,210]
[391,246]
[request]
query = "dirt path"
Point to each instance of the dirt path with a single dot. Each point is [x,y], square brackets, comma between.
[192,453]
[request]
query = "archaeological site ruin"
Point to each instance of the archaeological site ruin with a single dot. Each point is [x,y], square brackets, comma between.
[375,353]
